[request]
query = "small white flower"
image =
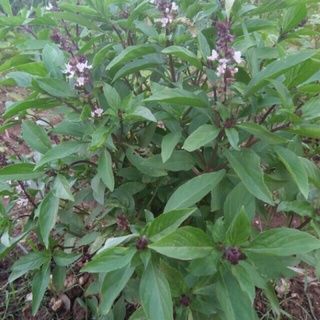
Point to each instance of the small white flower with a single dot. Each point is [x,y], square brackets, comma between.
[69,70]
[82,66]
[80,82]
[221,69]
[49,6]
[98,112]
[167,10]
[174,7]
[164,21]
[223,62]
[22,202]
[237,57]
[214,55]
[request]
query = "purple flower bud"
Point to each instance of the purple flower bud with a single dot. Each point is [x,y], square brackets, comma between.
[142,243]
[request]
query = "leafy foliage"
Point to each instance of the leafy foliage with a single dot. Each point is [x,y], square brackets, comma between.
[178,124]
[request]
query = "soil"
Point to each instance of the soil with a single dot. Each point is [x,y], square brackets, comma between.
[299,297]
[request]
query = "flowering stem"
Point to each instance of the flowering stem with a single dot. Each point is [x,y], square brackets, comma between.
[172,68]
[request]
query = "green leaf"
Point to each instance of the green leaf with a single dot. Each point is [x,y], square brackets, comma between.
[228,6]
[194,190]
[110,260]
[61,188]
[312,171]
[293,16]
[35,136]
[20,171]
[42,103]
[235,303]
[64,259]
[166,223]
[116,241]
[168,144]
[184,54]
[48,211]
[39,286]
[155,294]
[56,87]
[73,17]
[203,45]
[139,314]
[175,278]
[131,52]
[31,261]
[149,61]
[186,243]
[200,137]
[179,97]
[283,93]
[140,113]
[293,164]
[233,137]
[112,97]
[246,163]
[283,242]
[306,130]
[113,283]
[180,160]
[61,151]
[302,208]
[262,133]
[105,169]
[275,69]
[6,6]
[276,5]
[239,197]
[239,230]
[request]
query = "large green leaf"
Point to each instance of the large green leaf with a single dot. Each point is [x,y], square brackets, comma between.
[275,5]
[63,259]
[48,211]
[179,97]
[283,242]
[239,197]
[167,223]
[113,283]
[261,133]
[35,136]
[184,54]
[39,286]
[42,103]
[56,87]
[61,188]
[105,170]
[168,144]
[194,190]
[200,137]
[235,303]
[20,171]
[294,166]
[313,172]
[155,294]
[61,151]
[306,130]
[186,243]
[246,163]
[110,260]
[31,261]
[180,160]
[239,230]
[112,97]
[132,52]
[275,69]
[293,16]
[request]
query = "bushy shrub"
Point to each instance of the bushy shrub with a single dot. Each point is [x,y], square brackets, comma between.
[178,125]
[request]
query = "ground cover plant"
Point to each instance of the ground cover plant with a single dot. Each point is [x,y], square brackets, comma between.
[157,132]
